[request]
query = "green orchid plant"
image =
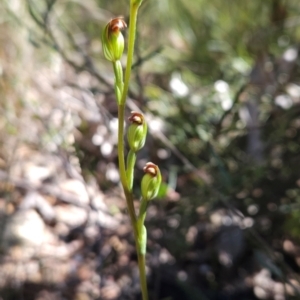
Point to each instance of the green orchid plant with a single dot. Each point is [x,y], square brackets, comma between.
[113,47]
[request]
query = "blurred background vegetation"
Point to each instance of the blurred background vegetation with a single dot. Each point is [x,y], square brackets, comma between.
[219,82]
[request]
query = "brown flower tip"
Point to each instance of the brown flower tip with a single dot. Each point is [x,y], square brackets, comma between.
[136,118]
[151,169]
[116,24]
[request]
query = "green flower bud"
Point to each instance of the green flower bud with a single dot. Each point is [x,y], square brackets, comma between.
[151,181]
[137,131]
[113,40]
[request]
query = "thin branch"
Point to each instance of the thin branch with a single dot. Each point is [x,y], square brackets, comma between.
[227,112]
[142,60]
[88,65]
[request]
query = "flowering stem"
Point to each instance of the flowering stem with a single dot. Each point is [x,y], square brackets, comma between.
[122,169]
[129,202]
[131,39]
[127,185]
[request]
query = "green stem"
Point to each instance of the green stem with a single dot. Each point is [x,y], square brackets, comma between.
[143,281]
[129,202]
[121,113]
[142,246]
[131,39]
[122,169]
